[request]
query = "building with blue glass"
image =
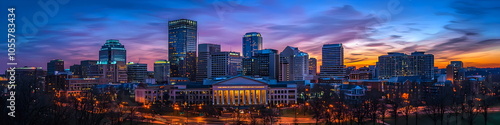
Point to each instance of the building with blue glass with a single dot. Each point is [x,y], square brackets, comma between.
[333,61]
[112,61]
[182,47]
[252,42]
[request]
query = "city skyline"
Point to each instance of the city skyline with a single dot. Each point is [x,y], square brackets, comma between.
[450,35]
[250,62]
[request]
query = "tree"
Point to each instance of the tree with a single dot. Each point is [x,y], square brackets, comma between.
[269,115]
[374,105]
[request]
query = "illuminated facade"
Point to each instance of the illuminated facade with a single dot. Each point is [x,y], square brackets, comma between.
[149,94]
[112,61]
[245,91]
[112,52]
[252,42]
[234,91]
[190,94]
[182,47]
[240,91]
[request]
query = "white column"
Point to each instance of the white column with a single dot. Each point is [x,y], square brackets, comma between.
[242,97]
[239,97]
[254,98]
[213,98]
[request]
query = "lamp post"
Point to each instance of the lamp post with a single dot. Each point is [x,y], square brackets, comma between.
[187,112]
[295,114]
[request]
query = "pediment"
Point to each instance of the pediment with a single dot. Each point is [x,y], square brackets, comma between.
[239,81]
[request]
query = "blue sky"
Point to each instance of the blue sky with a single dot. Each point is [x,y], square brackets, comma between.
[451,30]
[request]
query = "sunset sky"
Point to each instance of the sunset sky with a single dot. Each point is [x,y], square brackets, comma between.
[467,31]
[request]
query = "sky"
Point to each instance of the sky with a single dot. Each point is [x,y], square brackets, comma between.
[74,30]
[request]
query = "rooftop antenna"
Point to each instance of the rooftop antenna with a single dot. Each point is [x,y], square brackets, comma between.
[139,60]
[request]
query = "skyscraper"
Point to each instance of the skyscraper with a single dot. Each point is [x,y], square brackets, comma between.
[333,61]
[76,69]
[204,53]
[313,69]
[294,64]
[89,68]
[112,61]
[252,42]
[265,63]
[137,72]
[29,79]
[225,64]
[453,71]
[55,65]
[182,47]
[400,64]
[162,71]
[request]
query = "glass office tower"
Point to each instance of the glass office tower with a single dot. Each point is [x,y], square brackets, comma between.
[252,42]
[182,47]
[112,62]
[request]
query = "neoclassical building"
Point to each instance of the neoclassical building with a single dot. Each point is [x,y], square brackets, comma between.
[233,91]
[240,91]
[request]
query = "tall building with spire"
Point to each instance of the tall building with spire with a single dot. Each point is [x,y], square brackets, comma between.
[112,61]
[182,47]
[252,42]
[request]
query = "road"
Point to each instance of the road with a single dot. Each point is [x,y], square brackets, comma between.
[200,120]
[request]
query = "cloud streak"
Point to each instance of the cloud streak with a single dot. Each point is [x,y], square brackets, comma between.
[80,28]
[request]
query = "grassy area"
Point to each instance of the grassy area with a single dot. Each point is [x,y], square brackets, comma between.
[493,119]
[290,113]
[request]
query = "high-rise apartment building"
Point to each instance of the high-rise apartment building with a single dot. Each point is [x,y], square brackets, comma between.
[399,64]
[333,61]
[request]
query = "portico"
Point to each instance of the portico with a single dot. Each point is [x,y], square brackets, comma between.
[240,91]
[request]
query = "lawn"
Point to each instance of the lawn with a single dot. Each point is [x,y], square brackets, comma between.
[493,119]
